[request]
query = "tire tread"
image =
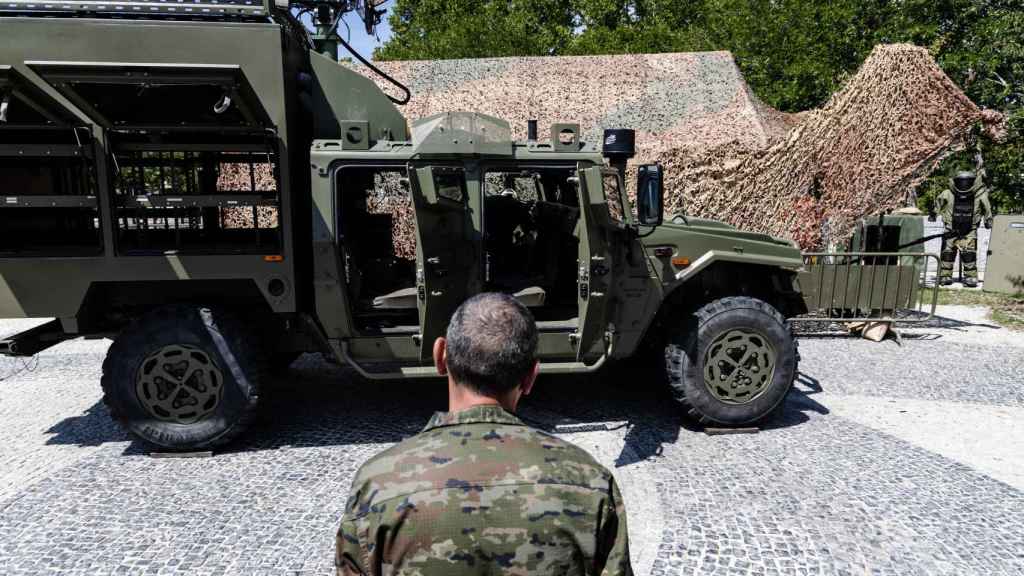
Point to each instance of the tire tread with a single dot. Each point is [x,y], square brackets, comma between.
[148,324]
[675,350]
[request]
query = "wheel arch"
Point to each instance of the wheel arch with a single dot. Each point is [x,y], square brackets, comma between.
[716,275]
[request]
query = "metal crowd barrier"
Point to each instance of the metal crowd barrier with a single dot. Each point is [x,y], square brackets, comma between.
[868,287]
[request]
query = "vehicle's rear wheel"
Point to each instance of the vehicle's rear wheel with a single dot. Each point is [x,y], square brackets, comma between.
[733,362]
[184,378]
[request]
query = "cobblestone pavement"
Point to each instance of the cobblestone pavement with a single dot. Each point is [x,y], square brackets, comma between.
[886,460]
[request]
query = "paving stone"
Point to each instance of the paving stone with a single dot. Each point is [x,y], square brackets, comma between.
[813,493]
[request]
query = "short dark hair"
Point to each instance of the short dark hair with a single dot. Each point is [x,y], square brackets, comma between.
[492,343]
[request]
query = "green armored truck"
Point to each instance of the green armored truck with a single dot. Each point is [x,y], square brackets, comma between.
[198,182]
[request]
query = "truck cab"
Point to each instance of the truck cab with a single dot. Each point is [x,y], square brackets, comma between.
[416,227]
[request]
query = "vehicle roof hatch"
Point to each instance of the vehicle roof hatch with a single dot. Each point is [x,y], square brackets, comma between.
[458,133]
[26,105]
[144,98]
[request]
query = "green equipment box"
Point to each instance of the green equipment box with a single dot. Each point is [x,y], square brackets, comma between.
[1005,270]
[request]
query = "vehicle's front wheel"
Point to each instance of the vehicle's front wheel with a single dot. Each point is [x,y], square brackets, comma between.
[184,377]
[732,362]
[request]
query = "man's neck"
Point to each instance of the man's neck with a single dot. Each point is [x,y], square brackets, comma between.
[461,398]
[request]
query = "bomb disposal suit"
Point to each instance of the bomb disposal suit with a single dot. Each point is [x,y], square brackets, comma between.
[963,207]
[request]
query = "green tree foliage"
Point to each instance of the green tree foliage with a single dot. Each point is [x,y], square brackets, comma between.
[438,29]
[794,53]
[983,51]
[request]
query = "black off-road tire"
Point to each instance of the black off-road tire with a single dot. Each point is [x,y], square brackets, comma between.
[216,336]
[686,351]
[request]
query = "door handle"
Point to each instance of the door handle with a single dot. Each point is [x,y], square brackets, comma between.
[435,265]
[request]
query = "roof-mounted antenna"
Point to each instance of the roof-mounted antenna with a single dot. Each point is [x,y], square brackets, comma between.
[327,14]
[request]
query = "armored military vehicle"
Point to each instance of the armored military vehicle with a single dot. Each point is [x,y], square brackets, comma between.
[197,181]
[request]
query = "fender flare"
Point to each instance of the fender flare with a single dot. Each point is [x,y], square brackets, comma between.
[793,264]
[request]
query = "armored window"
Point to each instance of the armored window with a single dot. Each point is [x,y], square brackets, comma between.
[524,185]
[614,197]
[450,185]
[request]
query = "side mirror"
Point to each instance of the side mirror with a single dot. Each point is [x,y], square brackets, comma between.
[650,195]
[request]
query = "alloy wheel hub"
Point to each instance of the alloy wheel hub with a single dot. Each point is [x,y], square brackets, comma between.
[739,366]
[180,384]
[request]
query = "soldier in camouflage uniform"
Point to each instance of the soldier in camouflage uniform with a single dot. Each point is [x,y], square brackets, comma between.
[478,491]
[963,207]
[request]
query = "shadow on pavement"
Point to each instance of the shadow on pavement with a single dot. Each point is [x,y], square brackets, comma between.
[798,404]
[909,319]
[320,404]
[93,427]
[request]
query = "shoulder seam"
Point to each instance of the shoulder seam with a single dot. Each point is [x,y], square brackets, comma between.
[602,489]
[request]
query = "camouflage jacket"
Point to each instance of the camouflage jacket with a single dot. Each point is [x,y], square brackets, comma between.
[480,492]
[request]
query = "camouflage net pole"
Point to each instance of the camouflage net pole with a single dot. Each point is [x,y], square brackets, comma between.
[729,156]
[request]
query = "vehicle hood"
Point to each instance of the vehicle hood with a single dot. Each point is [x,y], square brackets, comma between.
[684,225]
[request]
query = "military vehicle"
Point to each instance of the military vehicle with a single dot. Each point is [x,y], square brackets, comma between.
[197,181]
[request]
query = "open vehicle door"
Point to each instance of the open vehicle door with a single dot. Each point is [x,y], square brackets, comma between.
[447,248]
[603,213]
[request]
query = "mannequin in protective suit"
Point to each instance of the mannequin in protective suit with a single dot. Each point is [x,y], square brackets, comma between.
[963,206]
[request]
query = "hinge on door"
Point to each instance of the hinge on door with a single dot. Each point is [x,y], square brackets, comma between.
[574,339]
[421,288]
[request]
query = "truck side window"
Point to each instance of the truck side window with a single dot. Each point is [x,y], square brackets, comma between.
[613,195]
[196,201]
[450,185]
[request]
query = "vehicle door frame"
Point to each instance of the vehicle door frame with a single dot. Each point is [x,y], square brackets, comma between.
[601,263]
[338,187]
[460,272]
[556,339]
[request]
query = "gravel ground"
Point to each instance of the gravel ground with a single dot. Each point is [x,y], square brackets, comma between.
[888,459]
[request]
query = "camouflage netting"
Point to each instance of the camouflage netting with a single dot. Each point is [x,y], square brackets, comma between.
[390,197]
[697,98]
[240,178]
[729,156]
[864,152]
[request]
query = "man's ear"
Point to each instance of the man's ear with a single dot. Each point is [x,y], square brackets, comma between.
[527,385]
[441,356]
